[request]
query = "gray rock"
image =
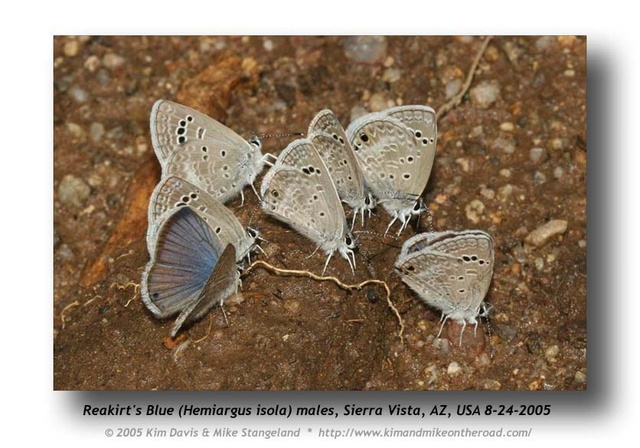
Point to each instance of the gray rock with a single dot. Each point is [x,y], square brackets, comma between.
[366,49]
[538,155]
[73,190]
[485,94]
[541,235]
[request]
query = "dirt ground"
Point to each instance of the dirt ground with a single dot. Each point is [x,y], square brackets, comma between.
[511,160]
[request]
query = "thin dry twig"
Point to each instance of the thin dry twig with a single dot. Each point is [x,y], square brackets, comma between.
[359,286]
[120,286]
[64,310]
[453,102]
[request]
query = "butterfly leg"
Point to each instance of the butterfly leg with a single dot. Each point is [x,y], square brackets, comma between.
[352,261]
[326,263]
[395,217]
[443,319]
[464,325]
[224,313]
[266,157]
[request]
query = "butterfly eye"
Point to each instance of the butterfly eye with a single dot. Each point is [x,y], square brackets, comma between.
[367,201]
[417,207]
[255,141]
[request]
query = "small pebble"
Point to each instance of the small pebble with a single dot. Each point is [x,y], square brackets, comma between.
[366,49]
[378,102]
[103,76]
[552,352]
[113,61]
[558,172]
[454,368]
[71,48]
[580,377]
[78,94]
[97,131]
[452,88]
[507,126]
[567,41]
[485,94]
[392,75]
[505,172]
[505,192]
[538,154]
[464,164]
[473,210]
[541,235]
[73,190]
[519,253]
[557,144]
[75,129]
[506,145]
[487,193]
[545,43]
[489,384]
[431,373]
[483,360]
[539,177]
[92,63]
[442,345]
[268,45]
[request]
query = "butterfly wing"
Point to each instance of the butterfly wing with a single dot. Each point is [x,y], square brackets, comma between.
[429,274]
[422,123]
[452,273]
[203,151]
[298,190]
[389,157]
[173,192]
[222,283]
[329,138]
[184,257]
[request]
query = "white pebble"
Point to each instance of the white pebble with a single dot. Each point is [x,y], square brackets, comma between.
[552,352]
[485,94]
[546,231]
[538,154]
[473,210]
[454,368]
[507,126]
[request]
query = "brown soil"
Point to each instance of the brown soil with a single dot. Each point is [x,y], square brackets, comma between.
[297,333]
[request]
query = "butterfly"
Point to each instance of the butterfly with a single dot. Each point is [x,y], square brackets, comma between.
[299,191]
[203,151]
[190,270]
[450,271]
[396,148]
[329,138]
[173,192]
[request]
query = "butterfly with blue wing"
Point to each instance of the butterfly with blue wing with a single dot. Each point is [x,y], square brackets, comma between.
[190,270]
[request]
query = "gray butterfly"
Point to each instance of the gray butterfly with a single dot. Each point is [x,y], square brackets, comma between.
[328,137]
[298,190]
[203,151]
[190,270]
[396,148]
[173,192]
[450,271]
